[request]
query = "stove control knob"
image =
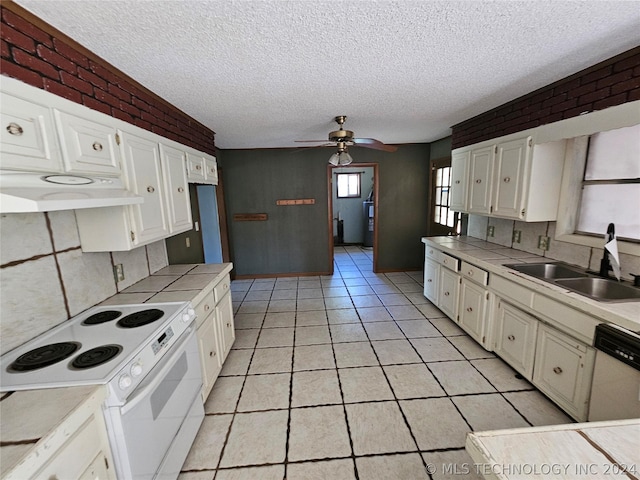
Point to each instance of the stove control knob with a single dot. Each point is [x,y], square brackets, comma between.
[125,381]
[136,370]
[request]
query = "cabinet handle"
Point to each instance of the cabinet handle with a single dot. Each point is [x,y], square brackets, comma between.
[507,179]
[212,354]
[97,146]
[469,309]
[228,325]
[457,182]
[207,308]
[511,338]
[557,370]
[150,189]
[446,294]
[429,280]
[198,167]
[15,129]
[478,181]
[213,170]
[180,189]
[470,273]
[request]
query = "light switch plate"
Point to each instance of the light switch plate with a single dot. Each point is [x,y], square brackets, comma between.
[517,235]
[118,272]
[543,242]
[490,230]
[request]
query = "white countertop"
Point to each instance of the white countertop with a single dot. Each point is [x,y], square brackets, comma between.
[571,452]
[493,257]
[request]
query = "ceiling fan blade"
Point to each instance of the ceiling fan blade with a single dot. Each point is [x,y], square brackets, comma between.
[373,143]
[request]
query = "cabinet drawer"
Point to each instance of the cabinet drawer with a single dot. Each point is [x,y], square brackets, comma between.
[581,325]
[212,170]
[221,289]
[195,168]
[516,338]
[433,253]
[474,273]
[512,291]
[449,261]
[205,308]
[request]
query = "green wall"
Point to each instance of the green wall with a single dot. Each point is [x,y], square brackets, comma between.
[295,239]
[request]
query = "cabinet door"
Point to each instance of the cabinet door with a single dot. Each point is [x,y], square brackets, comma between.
[209,354]
[509,180]
[459,181]
[175,182]
[516,338]
[480,174]
[431,277]
[226,329]
[87,146]
[211,173]
[27,138]
[473,307]
[196,172]
[448,293]
[143,176]
[563,371]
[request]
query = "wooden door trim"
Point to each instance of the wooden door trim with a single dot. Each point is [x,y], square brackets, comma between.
[222,219]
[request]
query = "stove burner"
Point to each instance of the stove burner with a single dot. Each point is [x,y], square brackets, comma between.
[138,319]
[43,356]
[96,356]
[101,317]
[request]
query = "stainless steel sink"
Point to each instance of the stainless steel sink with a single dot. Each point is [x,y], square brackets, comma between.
[549,271]
[601,289]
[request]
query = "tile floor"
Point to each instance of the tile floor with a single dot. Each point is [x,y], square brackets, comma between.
[353,376]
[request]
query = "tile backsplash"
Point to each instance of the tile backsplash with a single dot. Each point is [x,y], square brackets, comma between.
[45,278]
[581,255]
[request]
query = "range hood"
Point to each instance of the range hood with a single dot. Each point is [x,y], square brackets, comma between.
[42,192]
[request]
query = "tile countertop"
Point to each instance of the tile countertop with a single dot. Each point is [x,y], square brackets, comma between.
[30,418]
[492,257]
[573,451]
[175,283]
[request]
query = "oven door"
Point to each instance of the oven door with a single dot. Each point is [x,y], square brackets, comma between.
[148,428]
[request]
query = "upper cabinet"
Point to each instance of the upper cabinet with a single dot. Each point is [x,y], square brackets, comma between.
[87,146]
[201,168]
[515,179]
[27,138]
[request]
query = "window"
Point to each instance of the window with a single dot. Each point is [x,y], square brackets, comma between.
[611,184]
[348,185]
[442,213]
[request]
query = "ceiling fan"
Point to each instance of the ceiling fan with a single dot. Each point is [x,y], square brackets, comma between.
[344,138]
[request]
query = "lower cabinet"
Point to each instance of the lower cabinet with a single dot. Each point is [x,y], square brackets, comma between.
[431,276]
[515,338]
[449,287]
[473,310]
[216,333]
[563,370]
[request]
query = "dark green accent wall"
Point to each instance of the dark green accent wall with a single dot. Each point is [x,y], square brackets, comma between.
[441,148]
[295,239]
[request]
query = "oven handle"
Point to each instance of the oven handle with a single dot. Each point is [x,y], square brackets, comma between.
[159,376]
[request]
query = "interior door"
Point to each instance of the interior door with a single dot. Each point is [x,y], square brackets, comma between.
[442,220]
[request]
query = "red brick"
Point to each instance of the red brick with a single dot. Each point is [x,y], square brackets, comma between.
[610,101]
[549,102]
[156,112]
[70,53]
[542,96]
[596,75]
[76,83]
[10,69]
[575,112]
[625,86]
[130,109]
[636,71]
[567,104]
[160,131]
[594,96]
[23,58]
[541,113]
[629,62]
[62,91]
[566,87]
[582,90]
[122,115]
[26,27]
[554,117]
[94,104]
[142,124]
[6,53]
[92,78]
[613,79]
[149,118]
[633,95]
[106,98]
[56,59]
[19,39]
[118,92]
[141,104]
[103,72]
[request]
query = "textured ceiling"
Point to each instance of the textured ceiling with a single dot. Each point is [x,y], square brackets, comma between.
[266,73]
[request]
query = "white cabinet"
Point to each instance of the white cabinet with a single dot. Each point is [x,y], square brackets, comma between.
[473,310]
[215,331]
[431,277]
[27,136]
[563,370]
[448,292]
[510,177]
[202,168]
[88,146]
[165,211]
[515,338]
[459,181]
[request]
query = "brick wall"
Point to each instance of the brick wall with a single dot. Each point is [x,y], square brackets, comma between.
[36,53]
[612,82]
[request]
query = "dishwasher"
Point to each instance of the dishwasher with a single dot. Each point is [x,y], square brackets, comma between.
[615,391]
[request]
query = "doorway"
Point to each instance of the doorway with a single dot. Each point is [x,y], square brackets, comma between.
[442,220]
[353,214]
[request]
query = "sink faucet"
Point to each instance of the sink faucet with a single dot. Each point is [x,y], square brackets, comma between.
[605,264]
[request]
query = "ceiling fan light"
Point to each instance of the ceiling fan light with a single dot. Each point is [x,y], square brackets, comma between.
[334,159]
[344,158]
